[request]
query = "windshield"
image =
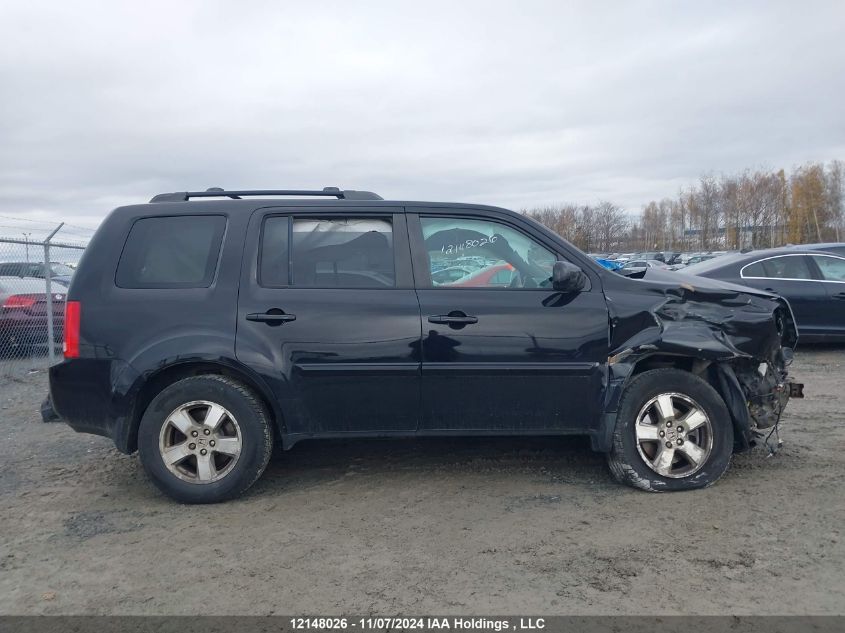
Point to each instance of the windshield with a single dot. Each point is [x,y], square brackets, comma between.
[711,263]
[61,269]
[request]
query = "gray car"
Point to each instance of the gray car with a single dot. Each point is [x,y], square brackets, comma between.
[23,313]
[60,273]
[638,267]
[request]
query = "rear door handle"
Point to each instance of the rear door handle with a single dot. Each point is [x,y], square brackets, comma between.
[450,319]
[271,317]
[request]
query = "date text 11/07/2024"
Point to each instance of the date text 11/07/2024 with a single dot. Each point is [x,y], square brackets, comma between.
[430,623]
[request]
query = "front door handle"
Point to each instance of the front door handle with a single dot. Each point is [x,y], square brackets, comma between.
[271,317]
[840,295]
[453,319]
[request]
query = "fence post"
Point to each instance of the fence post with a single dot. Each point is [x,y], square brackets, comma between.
[48,273]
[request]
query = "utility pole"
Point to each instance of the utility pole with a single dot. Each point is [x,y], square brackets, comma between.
[26,242]
[48,273]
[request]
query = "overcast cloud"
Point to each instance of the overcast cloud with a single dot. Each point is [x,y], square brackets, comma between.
[514,103]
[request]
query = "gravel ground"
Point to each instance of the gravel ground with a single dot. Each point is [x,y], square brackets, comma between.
[457,526]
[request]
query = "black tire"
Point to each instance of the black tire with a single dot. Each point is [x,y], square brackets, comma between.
[630,467]
[255,432]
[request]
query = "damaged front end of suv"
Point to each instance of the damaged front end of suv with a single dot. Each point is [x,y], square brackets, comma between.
[740,340]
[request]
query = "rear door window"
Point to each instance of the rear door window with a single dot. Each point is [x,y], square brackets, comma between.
[171,252]
[342,253]
[273,270]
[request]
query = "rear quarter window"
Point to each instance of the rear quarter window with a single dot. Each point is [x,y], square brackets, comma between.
[171,252]
[754,270]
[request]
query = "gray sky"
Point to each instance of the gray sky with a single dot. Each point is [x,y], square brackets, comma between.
[513,103]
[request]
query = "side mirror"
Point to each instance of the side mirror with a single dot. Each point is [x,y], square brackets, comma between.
[568,277]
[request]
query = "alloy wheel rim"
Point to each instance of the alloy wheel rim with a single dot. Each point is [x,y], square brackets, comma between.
[200,442]
[674,435]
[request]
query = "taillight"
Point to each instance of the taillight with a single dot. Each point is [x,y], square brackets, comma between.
[20,302]
[73,311]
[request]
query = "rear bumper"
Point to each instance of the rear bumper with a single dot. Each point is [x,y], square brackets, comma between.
[92,396]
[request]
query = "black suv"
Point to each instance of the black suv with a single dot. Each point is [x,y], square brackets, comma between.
[205,327]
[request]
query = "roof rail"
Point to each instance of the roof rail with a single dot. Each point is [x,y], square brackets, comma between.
[217,192]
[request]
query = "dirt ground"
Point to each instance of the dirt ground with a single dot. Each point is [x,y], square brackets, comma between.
[469,526]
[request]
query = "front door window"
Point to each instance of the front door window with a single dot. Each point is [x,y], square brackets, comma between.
[832,268]
[466,253]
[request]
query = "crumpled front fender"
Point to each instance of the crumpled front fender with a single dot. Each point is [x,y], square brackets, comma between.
[714,330]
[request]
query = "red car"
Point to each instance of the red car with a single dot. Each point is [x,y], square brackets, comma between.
[496,276]
[23,313]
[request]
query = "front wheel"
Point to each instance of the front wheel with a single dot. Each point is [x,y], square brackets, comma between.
[673,432]
[205,439]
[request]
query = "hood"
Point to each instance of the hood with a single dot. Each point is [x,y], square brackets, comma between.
[701,285]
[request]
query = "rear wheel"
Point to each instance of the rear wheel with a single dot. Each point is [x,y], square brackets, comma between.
[673,432]
[205,439]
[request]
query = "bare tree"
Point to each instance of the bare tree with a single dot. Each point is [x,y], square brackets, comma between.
[751,208]
[611,222]
[836,196]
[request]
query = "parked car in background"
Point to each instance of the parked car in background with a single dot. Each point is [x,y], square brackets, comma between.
[837,248]
[652,255]
[813,282]
[449,275]
[671,258]
[23,314]
[701,257]
[636,267]
[60,273]
[498,275]
[608,263]
[695,257]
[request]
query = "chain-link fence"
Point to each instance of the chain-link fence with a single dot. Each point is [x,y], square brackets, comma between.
[34,278]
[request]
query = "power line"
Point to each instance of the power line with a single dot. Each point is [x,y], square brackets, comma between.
[38,229]
[51,223]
